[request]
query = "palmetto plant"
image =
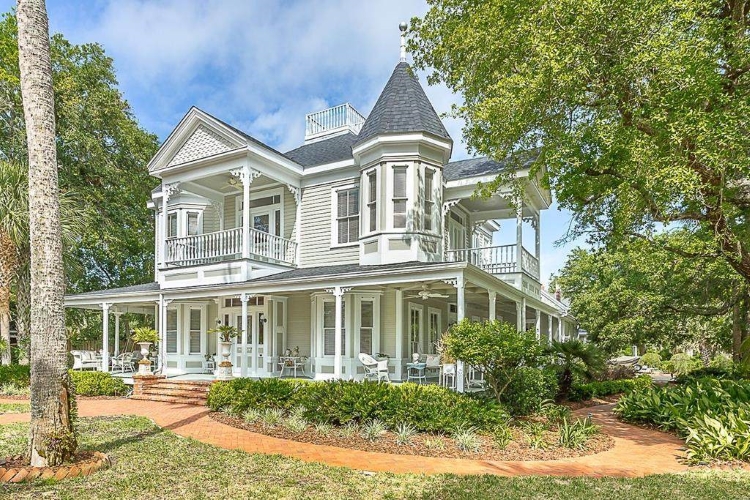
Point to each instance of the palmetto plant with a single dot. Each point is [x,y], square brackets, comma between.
[14,235]
[575,358]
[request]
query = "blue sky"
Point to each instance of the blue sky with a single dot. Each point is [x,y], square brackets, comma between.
[260,65]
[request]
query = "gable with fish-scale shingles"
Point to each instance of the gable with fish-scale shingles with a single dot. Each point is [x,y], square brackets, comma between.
[201,144]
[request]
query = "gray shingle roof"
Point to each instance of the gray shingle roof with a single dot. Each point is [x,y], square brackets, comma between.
[475,167]
[402,107]
[145,287]
[341,270]
[337,148]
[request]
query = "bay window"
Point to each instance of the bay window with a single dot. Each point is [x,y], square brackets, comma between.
[399,197]
[372,199]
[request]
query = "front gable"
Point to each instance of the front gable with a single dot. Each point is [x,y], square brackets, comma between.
[198,135]
[202,143]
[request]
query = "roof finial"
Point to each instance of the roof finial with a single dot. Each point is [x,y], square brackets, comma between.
[403,26]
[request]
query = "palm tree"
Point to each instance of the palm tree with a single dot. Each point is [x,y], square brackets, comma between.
[575,359]
[14,232]
[52,438]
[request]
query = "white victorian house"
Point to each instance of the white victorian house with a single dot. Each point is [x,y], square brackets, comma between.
[365,238]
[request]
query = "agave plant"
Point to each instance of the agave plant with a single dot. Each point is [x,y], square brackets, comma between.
[575,358]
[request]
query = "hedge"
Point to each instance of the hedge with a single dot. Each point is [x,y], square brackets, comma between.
[17,375]
[584,392]
[428,408]
[97,384]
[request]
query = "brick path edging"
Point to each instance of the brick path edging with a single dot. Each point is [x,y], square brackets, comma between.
[29,473]
[636,452]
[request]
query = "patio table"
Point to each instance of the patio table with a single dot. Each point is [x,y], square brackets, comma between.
[415,371]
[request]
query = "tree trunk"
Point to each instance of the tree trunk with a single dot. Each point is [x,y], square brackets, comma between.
[23,315]
[5,324]
[737,332]
[52,437]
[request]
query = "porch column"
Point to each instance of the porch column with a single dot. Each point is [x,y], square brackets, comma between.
[520,315]
[168,190]
[243,358]
[297,193]
[117,332]
[163,307]
[538,324]
[537,237]
[549,328]
[338,293]
[460,315]
[105,336]
[245,217]
[493,305]
[562,330]
[399,332]
[519,235]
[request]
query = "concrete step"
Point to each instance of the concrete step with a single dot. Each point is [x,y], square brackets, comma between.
[171,399]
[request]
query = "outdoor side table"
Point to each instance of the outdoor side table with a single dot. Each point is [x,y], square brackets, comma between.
[415,371]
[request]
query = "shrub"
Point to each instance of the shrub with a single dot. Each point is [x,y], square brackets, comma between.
[682,364]
[272,416]
[496,348]
[713,416]
[651,359]
[584,392]
[324,429]
[555,413]
[251,415]
[97,384]
[467,440]
[502,436]
[373,430]
[721,362]
[404,433]
[575,359]
[529,389]
[15,375]
[425,407]
[576,434]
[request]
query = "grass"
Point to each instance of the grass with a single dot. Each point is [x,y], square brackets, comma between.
[152,463]
[14,408]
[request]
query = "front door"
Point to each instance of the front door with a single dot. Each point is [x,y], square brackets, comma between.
[255,326]
[416,329]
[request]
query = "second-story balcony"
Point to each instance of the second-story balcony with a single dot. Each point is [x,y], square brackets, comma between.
[228,245]
[502,259]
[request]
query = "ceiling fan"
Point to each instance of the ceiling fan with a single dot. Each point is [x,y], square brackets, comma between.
[425,294]
[232,184]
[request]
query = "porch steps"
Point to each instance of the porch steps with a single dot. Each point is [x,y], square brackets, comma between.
[193,392]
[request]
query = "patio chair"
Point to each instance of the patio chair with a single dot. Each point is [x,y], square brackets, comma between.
[122,362]
[475,380]
[374,369]
[448,371]
[432,362]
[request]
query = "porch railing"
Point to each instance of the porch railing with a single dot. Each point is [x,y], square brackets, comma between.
[500,259]
[227,244]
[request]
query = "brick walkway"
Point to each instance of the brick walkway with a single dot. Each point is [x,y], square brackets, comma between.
[636,452]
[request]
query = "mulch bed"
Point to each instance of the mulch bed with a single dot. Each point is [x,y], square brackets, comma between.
[17,469]
[516,450]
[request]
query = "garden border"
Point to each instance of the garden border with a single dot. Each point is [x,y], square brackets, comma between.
[59,472]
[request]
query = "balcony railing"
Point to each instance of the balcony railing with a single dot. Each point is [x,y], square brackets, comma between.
[496,260]
[333,119]
[226,245]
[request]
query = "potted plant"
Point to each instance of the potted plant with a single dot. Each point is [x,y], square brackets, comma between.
[226,333]
[144,336]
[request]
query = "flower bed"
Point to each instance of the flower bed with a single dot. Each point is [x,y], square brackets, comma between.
[404,419]
[591,390]
[713,416]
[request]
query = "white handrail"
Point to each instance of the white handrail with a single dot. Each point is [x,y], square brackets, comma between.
[221,245]
[495,259]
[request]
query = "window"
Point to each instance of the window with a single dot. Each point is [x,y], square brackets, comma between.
[195,331]
[347,218]
[433,331]
[172,225]
[429,199]
[415,328]
[172,331]
[192,223]
[367,324]
[399,197]
[329,328]
[372,197]
[277,222]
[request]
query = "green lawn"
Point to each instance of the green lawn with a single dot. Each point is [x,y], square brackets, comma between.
[14,407]
[152,463]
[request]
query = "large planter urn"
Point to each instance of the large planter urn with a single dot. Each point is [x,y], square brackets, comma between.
[225,367]
[144,365]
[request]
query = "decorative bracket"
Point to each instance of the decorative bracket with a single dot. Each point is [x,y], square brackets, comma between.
[296,192]
[533,221]
[170,190]
[218,206]
[341,290]
[245,174]
[448,205]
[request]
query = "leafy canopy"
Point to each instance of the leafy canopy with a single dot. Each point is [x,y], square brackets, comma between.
[640,107]
[496,348]
[102,153]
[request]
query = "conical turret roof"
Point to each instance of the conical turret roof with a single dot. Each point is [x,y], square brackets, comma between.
[402,107]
